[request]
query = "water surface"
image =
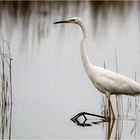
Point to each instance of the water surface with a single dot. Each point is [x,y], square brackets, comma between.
[50,85]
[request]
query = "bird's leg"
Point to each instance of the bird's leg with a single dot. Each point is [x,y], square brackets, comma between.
[108,106]
[111,109]
[111,114]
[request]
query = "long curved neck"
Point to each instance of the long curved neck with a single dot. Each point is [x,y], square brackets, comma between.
[86,62]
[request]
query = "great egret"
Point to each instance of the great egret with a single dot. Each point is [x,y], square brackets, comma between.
[104,80]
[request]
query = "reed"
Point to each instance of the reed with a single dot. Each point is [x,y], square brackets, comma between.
[5,89]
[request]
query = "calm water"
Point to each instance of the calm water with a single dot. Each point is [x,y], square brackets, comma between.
[50,85]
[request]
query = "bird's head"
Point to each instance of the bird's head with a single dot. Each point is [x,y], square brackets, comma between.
[75,20]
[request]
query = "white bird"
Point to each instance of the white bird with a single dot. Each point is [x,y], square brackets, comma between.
[104,80]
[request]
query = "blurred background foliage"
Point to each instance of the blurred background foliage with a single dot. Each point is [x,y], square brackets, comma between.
[42,13]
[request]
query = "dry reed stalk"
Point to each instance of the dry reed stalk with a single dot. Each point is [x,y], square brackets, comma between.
[5,89]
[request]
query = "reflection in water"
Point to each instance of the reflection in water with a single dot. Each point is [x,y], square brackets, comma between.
[113,128]
[109,128]
[135,129]
[5,125]
[88,119]
[77,119]
[5,90]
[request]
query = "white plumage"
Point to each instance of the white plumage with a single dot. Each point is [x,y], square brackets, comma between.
[105,81]
[114,83]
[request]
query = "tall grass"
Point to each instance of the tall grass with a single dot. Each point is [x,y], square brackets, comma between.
[5,89]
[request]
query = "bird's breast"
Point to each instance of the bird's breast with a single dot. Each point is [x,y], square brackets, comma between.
[96,84]
[100,88]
